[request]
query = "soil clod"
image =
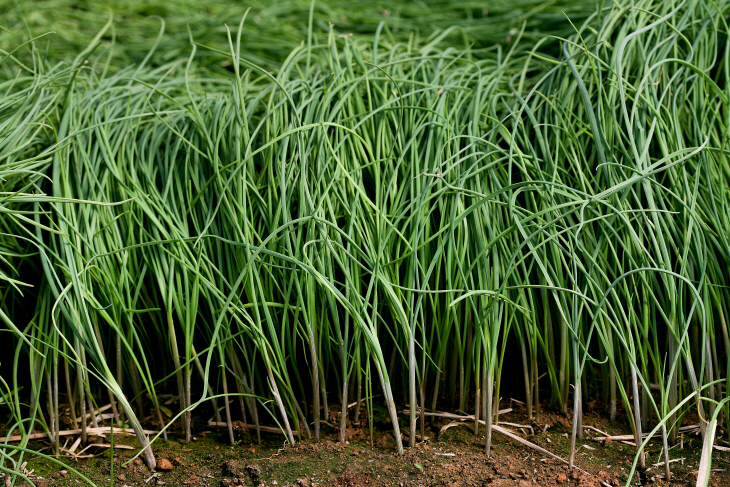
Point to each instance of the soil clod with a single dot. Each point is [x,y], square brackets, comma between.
[231,468]
[255,473]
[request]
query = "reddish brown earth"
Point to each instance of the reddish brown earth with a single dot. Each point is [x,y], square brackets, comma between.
[453,459]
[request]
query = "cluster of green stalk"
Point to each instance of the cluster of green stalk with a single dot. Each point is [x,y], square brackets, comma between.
[273,28]
[375,217]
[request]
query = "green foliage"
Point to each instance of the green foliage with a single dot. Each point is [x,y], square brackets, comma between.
[288,215]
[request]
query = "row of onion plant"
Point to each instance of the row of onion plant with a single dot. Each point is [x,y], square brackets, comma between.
[375,220]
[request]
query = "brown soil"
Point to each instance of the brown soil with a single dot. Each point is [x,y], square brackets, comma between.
[455,458]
